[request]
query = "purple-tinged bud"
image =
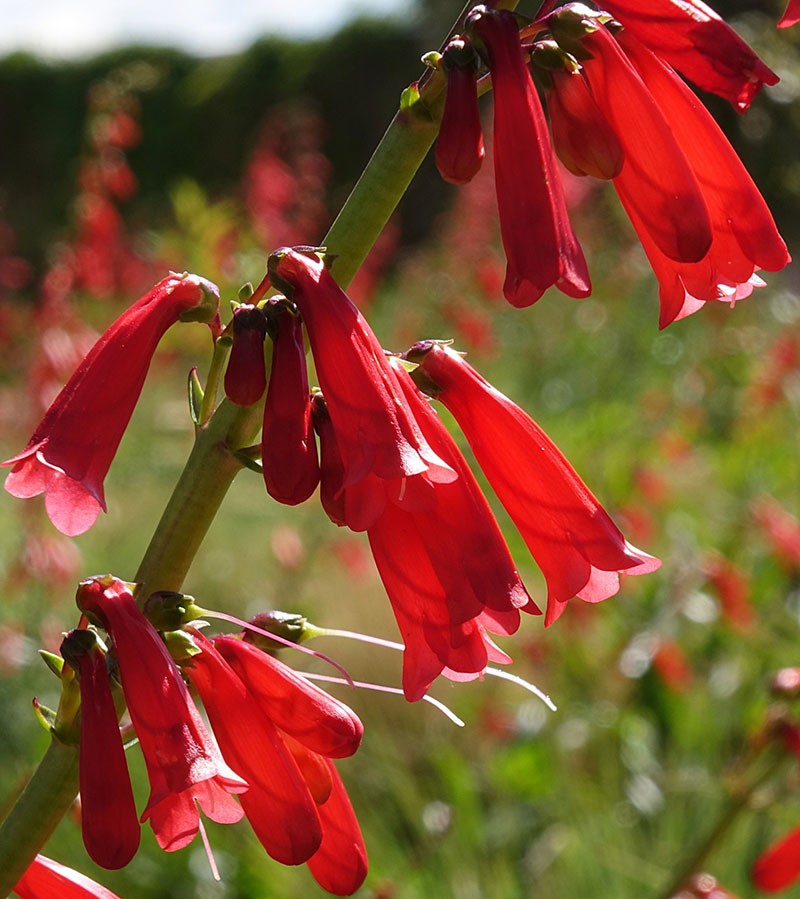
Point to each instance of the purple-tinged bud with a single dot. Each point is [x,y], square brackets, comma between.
[459,147]
[289,450]
[245,377]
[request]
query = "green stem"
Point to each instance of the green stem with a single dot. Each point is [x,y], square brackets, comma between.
[195,501]
[379,190]
[41,805]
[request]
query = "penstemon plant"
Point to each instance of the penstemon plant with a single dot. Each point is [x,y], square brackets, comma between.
[596,89]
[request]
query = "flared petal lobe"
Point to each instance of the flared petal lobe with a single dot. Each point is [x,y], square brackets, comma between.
[71,450]
[541,248]
[693,39]
[289,449]
[184,766]
[46,879]
[573,540]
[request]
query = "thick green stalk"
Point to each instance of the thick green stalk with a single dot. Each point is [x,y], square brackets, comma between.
[211,466]
[379,190]
[41,805]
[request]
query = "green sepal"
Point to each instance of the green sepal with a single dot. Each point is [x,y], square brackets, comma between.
[248,457]
[196,394]
[409,99]
[432,59]
[181,646]
[245,292]
[168,610]
[54,662]
[44,715]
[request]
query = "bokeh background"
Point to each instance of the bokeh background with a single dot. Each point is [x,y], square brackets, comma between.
[118,166]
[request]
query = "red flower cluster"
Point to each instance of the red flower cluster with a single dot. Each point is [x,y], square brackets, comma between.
[389,467]
[618,111]
[72,448]
[278,731]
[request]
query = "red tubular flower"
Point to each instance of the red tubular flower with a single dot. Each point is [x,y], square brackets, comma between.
[655,181]
[310,715]
[380,444]
[246,375]
[693,39]
[289,450]
[73,447]
[779,866]
[45,879]
[459,146]
[183,763]
[578,547]
[281,731]
[541,248]
[278,804]
[582,137]
[791,16]
[446,568]
[109,822]
[745,238]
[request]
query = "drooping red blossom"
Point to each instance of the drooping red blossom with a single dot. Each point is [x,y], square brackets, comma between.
[277,804]
[745,238]
[779,866]
[541,248]
[791,15]
[246,375]
[656,179]
[281,731]
[183,763]
[288,446]
[446,568]
[459,146]
[381,447]
[45,879]
[579,549]
[582,137]
[309,714]
[693,39]
[72,448]
[109,823]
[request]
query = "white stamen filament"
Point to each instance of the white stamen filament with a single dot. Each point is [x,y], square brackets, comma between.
[380,688]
